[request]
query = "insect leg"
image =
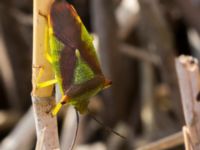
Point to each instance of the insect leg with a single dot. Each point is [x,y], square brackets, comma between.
[47,54]
[45,83]
[58,106]
[47,49]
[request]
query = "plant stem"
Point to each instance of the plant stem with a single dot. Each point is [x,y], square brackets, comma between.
[41,98]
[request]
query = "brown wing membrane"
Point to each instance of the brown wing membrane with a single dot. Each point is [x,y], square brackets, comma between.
[67,66]
[90,58]
[68,30]
[64,24]
[77,90]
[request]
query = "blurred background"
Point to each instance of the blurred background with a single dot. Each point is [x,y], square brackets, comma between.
[137,42]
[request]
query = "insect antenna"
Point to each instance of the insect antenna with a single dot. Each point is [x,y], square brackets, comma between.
[91,114]
[76,133]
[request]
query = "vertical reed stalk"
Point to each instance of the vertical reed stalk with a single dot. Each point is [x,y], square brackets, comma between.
[41,98]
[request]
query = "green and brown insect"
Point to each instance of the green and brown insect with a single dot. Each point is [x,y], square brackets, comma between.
[73,58]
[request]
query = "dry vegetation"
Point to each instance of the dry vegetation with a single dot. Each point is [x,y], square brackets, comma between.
[137,41]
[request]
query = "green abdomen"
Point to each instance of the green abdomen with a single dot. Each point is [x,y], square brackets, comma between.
[55,50]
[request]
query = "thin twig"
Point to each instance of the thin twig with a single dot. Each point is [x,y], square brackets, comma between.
[140,54]
[165,143]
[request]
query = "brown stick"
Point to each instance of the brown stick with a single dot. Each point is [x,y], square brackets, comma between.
[42,103]
[188,75]
[165,143]
[140,54]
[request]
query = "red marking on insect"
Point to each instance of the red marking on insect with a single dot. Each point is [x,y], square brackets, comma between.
[71,8]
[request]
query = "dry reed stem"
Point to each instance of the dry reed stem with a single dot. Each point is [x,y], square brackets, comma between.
[41,98]
[165,143]
[188,76]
